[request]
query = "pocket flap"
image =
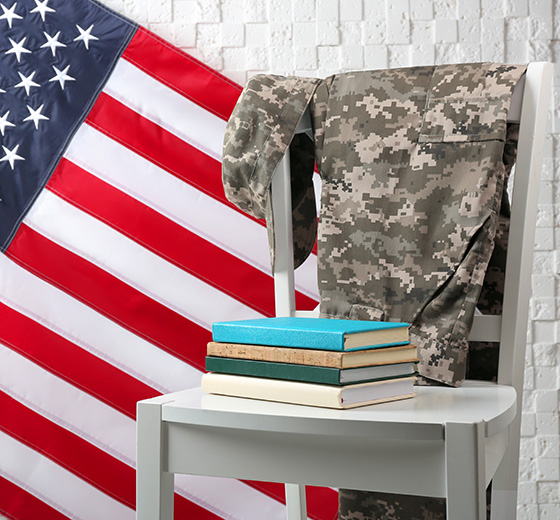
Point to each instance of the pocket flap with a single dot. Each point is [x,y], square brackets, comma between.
[464,119]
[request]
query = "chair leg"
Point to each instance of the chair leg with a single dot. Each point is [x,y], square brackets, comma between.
[296,506]
[154,487]
[465,471]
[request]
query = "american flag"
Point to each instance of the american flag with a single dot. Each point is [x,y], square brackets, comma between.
[119,251]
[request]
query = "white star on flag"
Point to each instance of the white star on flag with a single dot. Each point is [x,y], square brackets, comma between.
[26,82]
[36,116]
[61,76]
[18,49]
[52,42]
[11,155]
[4,122]
[42,8]
[86,35]
[9,14]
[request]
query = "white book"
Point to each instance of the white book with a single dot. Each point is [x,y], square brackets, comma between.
[309,394]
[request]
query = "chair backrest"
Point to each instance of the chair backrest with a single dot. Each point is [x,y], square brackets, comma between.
[529,107]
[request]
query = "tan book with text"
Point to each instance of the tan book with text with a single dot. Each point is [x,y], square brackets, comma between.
[325,358]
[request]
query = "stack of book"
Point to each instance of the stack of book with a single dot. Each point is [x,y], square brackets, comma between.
[311,361]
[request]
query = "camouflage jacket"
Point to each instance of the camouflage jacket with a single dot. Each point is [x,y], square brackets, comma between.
[413,162]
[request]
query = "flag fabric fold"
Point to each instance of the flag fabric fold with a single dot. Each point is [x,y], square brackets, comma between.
[119,250]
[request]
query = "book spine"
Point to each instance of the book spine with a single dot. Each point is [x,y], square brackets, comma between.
[266,369]
[325,358]
[272,390]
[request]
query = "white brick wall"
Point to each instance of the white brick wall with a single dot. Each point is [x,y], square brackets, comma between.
[320,37]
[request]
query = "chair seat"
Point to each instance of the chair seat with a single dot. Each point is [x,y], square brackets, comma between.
[422,417]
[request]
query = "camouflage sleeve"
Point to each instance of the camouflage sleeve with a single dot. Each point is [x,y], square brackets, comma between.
[258,133]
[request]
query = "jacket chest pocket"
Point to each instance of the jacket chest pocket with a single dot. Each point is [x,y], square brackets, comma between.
[455,120]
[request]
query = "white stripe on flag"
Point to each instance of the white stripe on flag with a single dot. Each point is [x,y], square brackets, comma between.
[115,253]
[167,108]
[92,331]
[180,202]
[56,486]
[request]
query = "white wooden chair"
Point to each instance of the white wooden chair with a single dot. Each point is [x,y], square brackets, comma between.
[446,442]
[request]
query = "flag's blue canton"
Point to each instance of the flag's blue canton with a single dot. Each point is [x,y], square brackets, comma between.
[55,56]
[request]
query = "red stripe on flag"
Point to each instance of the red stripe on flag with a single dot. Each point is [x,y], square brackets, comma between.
[110,296]
[72,363]
[81,458]
[182,73]
[154,143]
[21,505]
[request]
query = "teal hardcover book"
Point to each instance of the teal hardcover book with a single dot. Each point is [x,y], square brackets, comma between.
[312,333]
[308,373]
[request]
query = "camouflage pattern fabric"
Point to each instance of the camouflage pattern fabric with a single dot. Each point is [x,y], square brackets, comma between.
[257,136]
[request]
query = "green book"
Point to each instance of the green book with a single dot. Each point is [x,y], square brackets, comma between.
[308,373]
[312,333]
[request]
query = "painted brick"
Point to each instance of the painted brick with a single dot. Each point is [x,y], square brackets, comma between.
[375,57]
[398,22]
[445,30]
[160,12]
[517,29]
[548,492]
[327,10]
[374,32]
[468,30]
[527,512]
[281,59]
[255,11]
[350,33]
[352,57]
[233,34]
[445,53]
[527,492]
[445,8]
[545,354]
[305,58]
[398,56]
[351,10]
[209,35]
[327,33]
[423,54]
[279,11]
[547,469]
[186,12]
[491,9]
[256,59]
[304,34]
[304,11]
[234,58]
[280,34]
[328,59]
[549,511]
[233,11]
[421,9]
[210,10]
[546,423]
[548,446]
[256,34]
[517,7]
[540,8]
[185,35]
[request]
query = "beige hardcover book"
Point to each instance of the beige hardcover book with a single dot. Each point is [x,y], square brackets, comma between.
[323,358]
[309,394]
